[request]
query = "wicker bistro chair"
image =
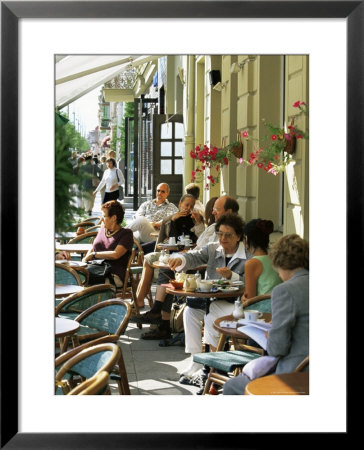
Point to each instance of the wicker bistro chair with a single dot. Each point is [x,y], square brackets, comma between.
[83,274]
[86,363]
[230,361]
[66,275]
[93,228]
[85,238]
[89,222]
[135,272]
[110,317]
[95,385]
[73,305]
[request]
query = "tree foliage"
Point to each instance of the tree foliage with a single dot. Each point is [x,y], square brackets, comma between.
[66,137]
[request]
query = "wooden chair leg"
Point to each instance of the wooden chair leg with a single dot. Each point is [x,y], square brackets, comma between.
[208,382]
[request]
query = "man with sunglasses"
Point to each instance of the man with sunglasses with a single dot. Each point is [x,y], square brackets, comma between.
[150,214]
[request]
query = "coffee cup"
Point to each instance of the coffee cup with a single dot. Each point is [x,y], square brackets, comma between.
[205,285]
[252,314]
[172,241]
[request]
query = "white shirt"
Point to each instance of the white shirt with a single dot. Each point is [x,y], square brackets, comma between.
[207,236]
[109,179]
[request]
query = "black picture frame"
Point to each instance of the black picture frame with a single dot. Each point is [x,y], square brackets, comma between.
[11,13]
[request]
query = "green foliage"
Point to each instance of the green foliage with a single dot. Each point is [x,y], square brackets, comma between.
[65,211]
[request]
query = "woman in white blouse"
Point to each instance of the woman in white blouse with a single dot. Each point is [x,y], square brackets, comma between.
[111,179]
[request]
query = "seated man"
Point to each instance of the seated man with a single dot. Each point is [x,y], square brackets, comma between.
[150,214]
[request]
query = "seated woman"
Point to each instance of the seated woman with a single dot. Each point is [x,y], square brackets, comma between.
[224,259]
[260,277]
[113,242]
[185,221]
[288,338]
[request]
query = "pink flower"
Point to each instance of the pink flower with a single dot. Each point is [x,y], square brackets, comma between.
[296,104]
[240,160]
[245,134]
[287,137]
[274,137]
[273,171]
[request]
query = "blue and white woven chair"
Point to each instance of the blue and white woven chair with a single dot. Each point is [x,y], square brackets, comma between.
[73,305]
[111,318]
[230,361]
[86,363]
[66,275]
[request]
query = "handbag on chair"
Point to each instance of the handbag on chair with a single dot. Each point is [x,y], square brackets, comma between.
[99,270]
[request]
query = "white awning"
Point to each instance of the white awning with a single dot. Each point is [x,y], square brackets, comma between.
[76,75]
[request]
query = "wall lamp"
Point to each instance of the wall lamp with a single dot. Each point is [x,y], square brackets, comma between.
[220,86]
[236,67]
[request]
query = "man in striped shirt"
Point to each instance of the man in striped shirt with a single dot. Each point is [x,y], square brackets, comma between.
[150,214]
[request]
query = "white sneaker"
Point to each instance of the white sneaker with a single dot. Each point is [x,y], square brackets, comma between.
[193,368]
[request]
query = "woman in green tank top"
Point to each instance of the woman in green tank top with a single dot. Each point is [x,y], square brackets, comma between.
[260,277]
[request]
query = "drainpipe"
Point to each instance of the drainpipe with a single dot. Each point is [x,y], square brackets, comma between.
[189,118]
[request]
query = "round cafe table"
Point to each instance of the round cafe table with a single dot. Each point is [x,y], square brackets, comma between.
[295,383]
[209,294]
[63,329]
[63,290]
[71,263]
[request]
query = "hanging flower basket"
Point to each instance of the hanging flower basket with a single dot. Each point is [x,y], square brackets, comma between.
[274,152]
[209,162]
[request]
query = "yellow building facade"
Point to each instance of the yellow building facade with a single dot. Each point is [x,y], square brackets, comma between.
[252,88]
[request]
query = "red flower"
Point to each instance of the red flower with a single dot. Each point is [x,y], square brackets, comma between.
[298,136]
[245,134]
[217,167]
[260,165]
[296,104]
[192,154]
[274,137]
[252,155]
[193,173]
[226,161]
[276,157]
